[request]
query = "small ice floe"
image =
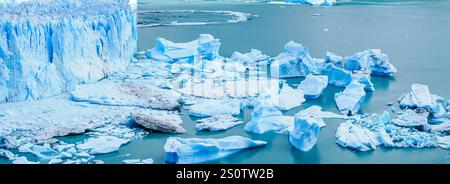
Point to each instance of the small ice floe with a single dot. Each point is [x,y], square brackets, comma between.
[356,137]
[313,86]
[419,97]
[194,150]
[212,107]
[44,152]
[205,47]
[159,121]
[337,76]
[138,161]
[411,118]
[370,61]
[217,123]
[251,58]
[23,160]
[305,133]
[349,101]
[295,61]
[102,144]
[265,117]
[288,98]
[136,93]
[316,111]
[313,2]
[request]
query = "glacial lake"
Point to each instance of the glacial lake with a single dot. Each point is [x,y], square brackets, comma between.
[414,34]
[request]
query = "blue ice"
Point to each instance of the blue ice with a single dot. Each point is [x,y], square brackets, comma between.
[313,86]
[349,101]
[305,133]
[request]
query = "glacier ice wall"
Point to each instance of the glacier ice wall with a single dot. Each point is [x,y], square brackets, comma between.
[46,47]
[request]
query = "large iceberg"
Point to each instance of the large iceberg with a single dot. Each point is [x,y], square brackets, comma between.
[205,47]
[305,133]
[295,61]
[47,47]
[349,101]
[194,150]
[313,86]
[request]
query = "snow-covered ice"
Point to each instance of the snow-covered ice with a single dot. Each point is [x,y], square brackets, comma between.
[212,107]
[349,101]
[217,123]
[305,133]
[313,86]
[195,150]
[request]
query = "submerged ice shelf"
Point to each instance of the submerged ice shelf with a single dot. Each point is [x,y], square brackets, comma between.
[47,47]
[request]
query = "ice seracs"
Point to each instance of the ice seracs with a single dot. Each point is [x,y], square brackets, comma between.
[205,47]
[50,46]
[195,150]
[349,101]
[162,121]
[305,133]
[313,86]
[217,123]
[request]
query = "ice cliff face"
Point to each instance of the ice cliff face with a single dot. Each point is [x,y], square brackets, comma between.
[47,47]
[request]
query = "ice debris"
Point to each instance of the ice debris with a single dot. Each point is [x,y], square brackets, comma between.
[265,117]
[23,160]
[252,58]
[217,123]
[295,61]
[313,86]
[305,133]
[194,150]
[44,152]
[212,107]
[349,101]
[134,93]
[49,46]
[411,118]
[102,144]
[159,121]
[205,47]
[356,137]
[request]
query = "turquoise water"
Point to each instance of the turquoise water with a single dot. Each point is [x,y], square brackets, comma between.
[415,35]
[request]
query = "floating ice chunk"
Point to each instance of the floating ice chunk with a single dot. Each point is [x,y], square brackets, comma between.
[135,93]
[316,111]
[50,46]
[138,161]
[443,142]
[160,121]
[313,86]
[313,2]
[305,133]
[441,129]
[265,117]
[7,154]
[349,101]
[288,98]
[44,152]
[364,79]
[337,76]
[102,144]
[410,118]
[206,46]
[355,137]
[295,62]
[334,59]
[212,107]
[371,61]
[384,138]
[23,160]
[218,123]
[419,97]
[194,150]
[251,58]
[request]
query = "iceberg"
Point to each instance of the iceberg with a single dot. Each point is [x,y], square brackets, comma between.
[217,123]
[251,58]
[205,47]
[334,59]
[410,118]
[337,76]
[364,79]
[23,160]
[370,61]
[102,144]
[194,150]
[419,97]
[133,93]
[356,137]
[265,117]
[313,86]
[295,61]
[316,111]
[212,107]
[349,101]
[165,122]
[288,98]
[305,133]
[47,47]
[313,2]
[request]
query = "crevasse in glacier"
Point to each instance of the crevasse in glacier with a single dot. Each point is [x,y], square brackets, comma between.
[46,47]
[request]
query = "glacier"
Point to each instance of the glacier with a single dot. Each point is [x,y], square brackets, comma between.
[195,150]
[47,47]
